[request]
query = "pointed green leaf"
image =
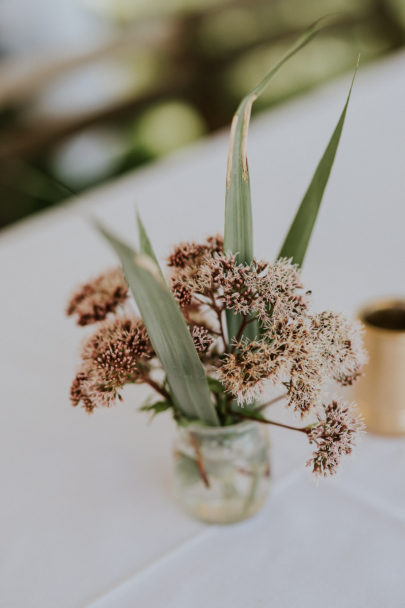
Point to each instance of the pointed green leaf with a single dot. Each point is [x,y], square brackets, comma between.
[156,408]
[168,333]
[238,233]
[145,245]
[299,234]
[215,385]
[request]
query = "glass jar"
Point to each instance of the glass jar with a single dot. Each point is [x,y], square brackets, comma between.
[222,474]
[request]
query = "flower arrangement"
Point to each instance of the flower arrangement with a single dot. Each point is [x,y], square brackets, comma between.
[224,324]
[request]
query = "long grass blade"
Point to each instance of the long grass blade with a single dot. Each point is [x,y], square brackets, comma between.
[297,240]
[238,213]
[167,331]
[238,232]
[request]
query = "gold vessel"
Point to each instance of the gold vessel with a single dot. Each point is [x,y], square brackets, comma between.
[380,393]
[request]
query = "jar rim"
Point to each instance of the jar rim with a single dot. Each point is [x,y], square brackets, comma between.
[216,430]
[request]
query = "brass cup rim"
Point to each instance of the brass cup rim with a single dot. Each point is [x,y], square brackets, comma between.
[379,304]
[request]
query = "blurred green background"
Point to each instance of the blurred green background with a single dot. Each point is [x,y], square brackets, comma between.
[90,89]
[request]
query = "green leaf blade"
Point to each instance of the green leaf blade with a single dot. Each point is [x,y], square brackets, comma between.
[238,232]
[297,240]
[145,245]
[168,333]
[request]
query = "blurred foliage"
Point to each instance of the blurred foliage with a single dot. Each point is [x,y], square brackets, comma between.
[166,126]
[142,100]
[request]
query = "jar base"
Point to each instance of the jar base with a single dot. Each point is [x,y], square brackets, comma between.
[220,513]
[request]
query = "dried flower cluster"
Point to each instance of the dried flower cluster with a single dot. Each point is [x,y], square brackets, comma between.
[112,357]
[295,347]
[289,345]
[202,338]
[334,435]
[341,346]
[302,353]
[94,300]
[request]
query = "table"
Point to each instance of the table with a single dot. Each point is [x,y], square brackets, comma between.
[87,516]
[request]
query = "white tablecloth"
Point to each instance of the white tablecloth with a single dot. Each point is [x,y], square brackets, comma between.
[87,516]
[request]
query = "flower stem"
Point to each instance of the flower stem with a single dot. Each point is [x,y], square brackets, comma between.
[302,429]
[219,312]
[245,322]
[265,421]
[240,330]
[271,402]
[200,463]
[156,386]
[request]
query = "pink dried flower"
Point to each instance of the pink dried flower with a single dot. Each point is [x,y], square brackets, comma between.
[294,351]
[182,293]
[78,392]
[111,358]
[118,344]
[185,254]
[185,263]
[215,243]
[257,288]
[188,254]
[283,289]
[335,434]
[295,362]
[310,349]
[302,395]
[94,300]
[245,370]
[202,338]
[341,345]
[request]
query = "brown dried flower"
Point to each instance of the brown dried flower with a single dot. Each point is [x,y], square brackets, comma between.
[111,358]
[182,294]
[301,352]
[94,300]
[185,263]
[303,394]
[303,365]
[335,434]
[245,370]
[202,338]
[284,354]
[78,392]
[185,254]
[266,290]
[189,254]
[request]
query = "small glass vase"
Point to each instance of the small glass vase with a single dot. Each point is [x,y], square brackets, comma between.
[222,474]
